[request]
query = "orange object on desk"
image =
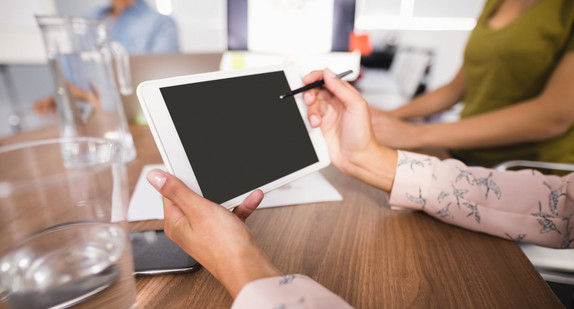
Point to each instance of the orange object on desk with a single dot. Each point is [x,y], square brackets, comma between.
[360,42]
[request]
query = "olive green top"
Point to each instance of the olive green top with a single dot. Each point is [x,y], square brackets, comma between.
[512,64]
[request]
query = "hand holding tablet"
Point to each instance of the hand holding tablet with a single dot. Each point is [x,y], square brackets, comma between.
[225,134]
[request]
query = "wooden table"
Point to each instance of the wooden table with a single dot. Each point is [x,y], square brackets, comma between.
[371,256]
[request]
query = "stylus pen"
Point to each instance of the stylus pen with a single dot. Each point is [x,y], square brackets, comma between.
[318,83]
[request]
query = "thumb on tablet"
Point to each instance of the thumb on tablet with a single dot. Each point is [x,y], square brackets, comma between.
[249,205]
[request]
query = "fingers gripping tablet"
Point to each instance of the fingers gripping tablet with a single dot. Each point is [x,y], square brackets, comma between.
[228,133]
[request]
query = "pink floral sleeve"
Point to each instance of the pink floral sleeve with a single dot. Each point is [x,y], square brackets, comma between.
[288,292]
[523,205]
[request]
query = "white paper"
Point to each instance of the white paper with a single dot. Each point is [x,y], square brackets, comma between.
[300,26]
[146,203]
[312,188]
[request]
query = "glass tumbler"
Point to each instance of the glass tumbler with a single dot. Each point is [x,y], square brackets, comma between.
[63,225]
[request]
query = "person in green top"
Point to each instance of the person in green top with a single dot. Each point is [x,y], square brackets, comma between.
[517,86]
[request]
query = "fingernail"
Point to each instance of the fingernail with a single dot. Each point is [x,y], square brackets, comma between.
[307,97]
[329,73]
[156,179]
[314,120]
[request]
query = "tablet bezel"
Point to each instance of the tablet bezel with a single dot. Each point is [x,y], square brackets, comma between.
[172,150]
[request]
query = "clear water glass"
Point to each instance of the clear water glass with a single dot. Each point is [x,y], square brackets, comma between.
[65,236]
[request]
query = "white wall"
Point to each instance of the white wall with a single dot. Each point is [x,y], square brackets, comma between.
[20,37]
[202,24]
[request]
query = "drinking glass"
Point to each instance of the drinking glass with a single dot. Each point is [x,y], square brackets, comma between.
[63,225]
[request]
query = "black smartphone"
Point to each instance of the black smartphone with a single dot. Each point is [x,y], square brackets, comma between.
[154,253]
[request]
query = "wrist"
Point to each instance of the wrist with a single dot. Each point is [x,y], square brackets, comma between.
[238,273]
[376,167]
[418,135]
[430,136]
[395,113]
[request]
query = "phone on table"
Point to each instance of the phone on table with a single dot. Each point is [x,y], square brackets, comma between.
[154,253]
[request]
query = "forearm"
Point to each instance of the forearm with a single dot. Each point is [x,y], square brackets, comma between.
[530,121]
[296,290]
[519,205]
[546,116]
[427,104]
[241,270]
[375,167]
[434,101]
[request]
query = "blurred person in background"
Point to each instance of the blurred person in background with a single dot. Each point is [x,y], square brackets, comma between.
[516,86]
[139,28]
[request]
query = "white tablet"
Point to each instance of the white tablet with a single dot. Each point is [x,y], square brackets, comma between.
[225,134]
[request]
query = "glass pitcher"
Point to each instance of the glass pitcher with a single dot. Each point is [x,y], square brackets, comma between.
[83,62]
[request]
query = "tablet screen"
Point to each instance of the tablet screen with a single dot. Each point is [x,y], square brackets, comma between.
[237,134]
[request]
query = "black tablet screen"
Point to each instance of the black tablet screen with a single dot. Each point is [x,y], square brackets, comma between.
[237,134]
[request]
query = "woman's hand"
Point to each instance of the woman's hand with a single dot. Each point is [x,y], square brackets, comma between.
[343,116]
[217,238]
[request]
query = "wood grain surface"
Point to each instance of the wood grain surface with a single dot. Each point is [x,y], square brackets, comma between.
[370,255]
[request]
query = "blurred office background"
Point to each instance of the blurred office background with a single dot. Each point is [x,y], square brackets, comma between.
[440,25]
